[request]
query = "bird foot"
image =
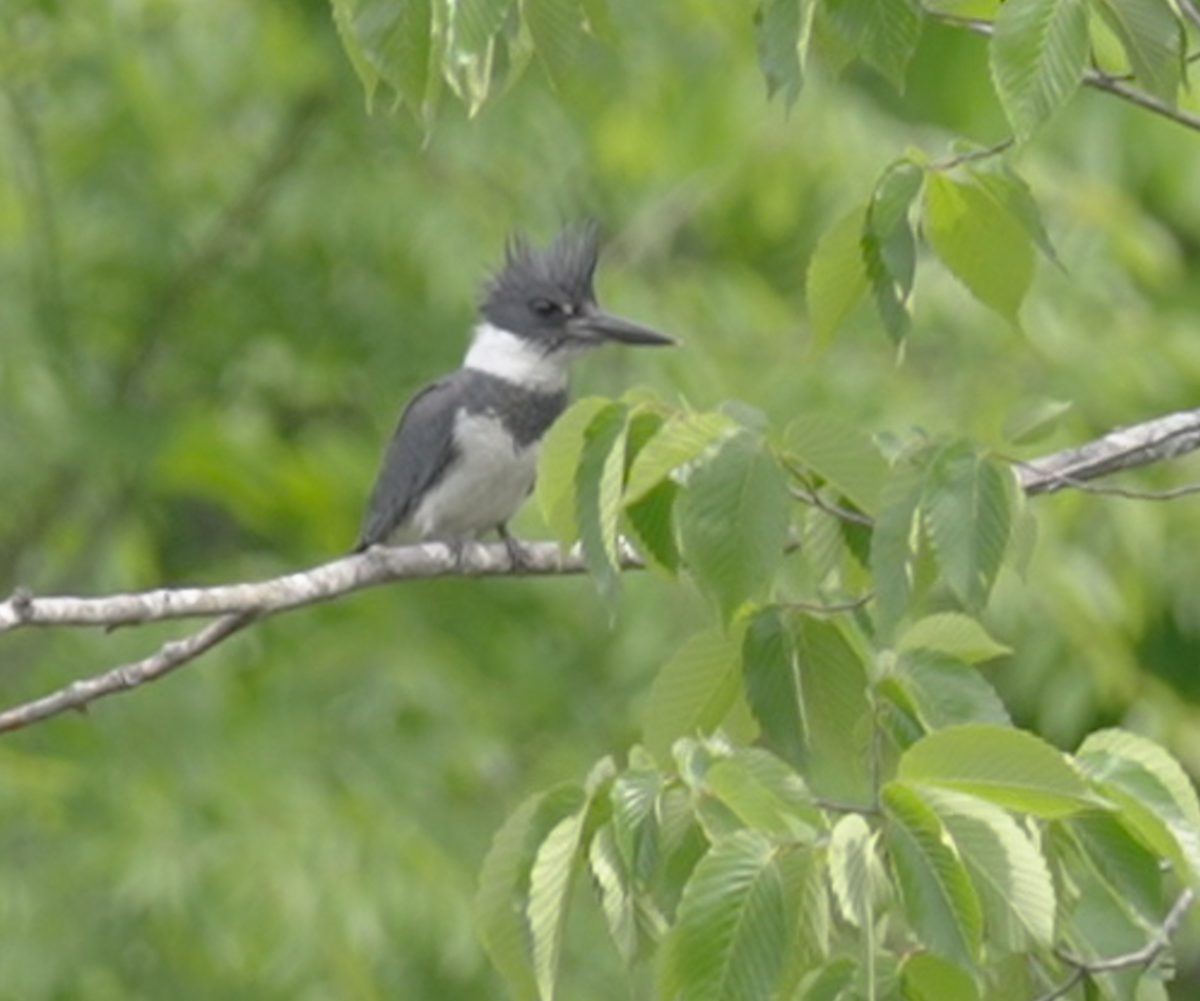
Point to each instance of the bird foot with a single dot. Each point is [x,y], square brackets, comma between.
[518,557]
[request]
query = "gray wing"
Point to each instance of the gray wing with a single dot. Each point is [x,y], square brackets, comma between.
[421,448]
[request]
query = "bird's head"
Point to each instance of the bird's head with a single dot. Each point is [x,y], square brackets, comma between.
[545,295]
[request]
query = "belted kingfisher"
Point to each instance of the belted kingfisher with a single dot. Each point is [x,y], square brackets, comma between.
[463,457]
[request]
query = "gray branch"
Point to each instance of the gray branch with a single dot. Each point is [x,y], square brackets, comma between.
[235,606]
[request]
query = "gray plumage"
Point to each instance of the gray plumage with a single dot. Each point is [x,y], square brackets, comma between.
[463,455]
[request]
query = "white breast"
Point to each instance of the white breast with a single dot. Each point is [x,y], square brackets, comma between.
[486,485]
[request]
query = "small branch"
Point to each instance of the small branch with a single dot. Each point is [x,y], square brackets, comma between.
[1142,444]
[1159,942]
[234,606]
[80,694]
[378,565]
[1092,77]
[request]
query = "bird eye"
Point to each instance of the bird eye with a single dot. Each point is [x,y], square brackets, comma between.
[545,307]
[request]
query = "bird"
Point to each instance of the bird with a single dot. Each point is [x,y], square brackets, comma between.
[463,457]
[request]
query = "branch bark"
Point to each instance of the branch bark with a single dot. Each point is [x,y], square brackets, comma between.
[235,606]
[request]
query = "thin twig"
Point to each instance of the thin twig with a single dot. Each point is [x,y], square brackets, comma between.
[80,694]
[1092,77]
[1142,956]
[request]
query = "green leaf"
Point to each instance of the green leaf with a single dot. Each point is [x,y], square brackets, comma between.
[978,235]
[1030,423]
[855,872]
[939,900]
[1118,855]
[693,691]
[884,32]
[393,37]
[1038,52]
[616,895]
[599,480]
[652,522]
[558,466]
[837,275]
[1008,767]
[888,244]
[947,692]
[1152,36]
[777,26]
[842,456]
[967,505]
[925,977]
[771,680]
[550,882]
[557,29]
[894,549]
[765,794]
[504,883]
[473,25]
[651,518]
[682,439]
[1142,777]
[633,797]
[954,634]
[1006,868]
[837,713]
[733,520]
[731,930]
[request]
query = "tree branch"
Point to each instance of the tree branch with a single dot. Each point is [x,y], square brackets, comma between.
[1143,956]
[1157,440]
[1095,78]
[235,606]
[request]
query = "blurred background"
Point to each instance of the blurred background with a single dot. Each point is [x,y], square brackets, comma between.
[220,278]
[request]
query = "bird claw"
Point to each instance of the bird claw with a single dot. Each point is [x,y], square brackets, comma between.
[518,557]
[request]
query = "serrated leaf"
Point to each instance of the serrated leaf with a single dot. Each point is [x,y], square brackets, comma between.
[946,692]
[733,522]
[977,235]
[883,32]
[652,522]
[683,438]
[967,511]
[1119,856]
[616,895]
[893,553]
[925,977]
[1007,870]
[954,634]
[550,881]
[777,40]
[855,871]
[731,929]
[837,276]
[836,711]
[1132,770]
[888,245]
[771,680]
[693,691]
[557,30]
[394,39]
[558,464]
[599,480]
[1151,34]
[1038,52]
[504,883]
[939,900]
[842,456]
[765,794]
[1008,767]
[473,25]
[634,796]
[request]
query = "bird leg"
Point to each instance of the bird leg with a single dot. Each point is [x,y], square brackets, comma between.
[517,556]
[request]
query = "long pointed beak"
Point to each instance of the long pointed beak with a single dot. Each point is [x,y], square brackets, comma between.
[597,325]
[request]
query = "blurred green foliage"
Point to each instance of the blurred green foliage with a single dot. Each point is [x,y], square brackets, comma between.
[221,277]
